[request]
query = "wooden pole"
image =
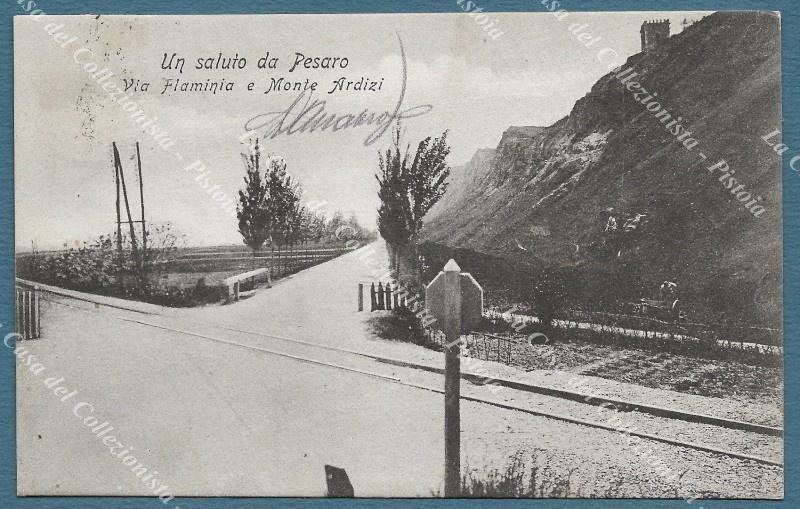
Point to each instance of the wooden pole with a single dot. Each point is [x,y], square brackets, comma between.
[141,200]
[18,294]
[26,306]
[119,217]
[118,163]
[452,380]
[38,312]
[361,296]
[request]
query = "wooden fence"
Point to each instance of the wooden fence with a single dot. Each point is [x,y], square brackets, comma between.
[28,312]
[382,297]
[246,282]
[279,263]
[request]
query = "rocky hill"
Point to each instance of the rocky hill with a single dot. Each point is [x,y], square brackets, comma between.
[611,195]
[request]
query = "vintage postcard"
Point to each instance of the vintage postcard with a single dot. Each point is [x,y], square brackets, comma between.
[469,254]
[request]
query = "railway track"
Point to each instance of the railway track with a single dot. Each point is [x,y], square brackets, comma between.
[630,406]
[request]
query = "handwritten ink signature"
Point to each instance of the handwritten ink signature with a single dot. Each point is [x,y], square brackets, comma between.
[311,115]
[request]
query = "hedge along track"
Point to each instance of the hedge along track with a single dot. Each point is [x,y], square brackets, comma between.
[471,377]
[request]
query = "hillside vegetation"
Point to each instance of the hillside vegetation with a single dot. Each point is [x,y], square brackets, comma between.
[544,196]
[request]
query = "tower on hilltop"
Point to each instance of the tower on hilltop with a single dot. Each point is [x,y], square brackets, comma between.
[654,33]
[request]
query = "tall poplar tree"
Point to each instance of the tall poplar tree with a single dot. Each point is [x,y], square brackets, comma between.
[408,188]
[254,219]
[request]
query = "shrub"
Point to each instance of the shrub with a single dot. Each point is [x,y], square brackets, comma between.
[182,297]
[402,325]
[94,267]
[98,267]
[547,294]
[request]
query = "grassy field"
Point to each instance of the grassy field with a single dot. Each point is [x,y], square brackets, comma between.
[216,264]
[188,277]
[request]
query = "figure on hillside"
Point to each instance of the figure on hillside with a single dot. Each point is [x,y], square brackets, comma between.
[668,291]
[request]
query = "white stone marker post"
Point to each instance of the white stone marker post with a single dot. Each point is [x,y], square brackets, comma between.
[452,380]
[455,300]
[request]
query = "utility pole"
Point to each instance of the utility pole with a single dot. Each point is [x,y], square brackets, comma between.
[141,200]
[121,174]
[119,218]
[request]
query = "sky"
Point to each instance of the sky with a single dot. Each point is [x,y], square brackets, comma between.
[476,85]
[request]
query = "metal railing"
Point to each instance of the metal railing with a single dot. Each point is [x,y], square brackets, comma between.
[479,345]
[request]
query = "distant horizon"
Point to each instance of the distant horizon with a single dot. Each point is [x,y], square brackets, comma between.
[266,247]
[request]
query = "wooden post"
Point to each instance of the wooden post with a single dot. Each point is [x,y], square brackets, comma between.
[361,296]
[388,296]
[37,323]
[452,380]
[119,215]
[31,315]
[141,201]
[372,300]
[18,308]
[26,306]
[381,295]
[121,173]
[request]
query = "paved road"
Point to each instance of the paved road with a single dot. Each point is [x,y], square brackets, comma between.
[216,414]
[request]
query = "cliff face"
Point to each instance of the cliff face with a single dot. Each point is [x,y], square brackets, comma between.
[609,190]
[462,179]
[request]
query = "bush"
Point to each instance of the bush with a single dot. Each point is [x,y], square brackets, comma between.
[182,297]
[94,267]
[98,268]
[547,294]
[402,325]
